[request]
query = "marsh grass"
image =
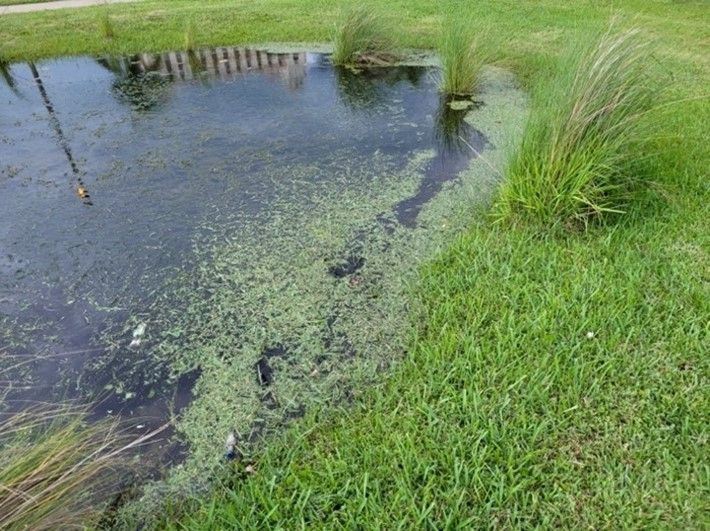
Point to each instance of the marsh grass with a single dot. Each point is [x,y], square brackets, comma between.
[57,471]
[105,25]
[588,125]
[361,37]
[463,53]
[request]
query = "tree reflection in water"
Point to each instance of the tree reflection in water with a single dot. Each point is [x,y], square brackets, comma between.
[79,186]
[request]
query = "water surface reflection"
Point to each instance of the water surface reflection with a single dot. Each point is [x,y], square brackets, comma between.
[167,142]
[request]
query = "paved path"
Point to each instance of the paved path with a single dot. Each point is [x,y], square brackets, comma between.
[58,4]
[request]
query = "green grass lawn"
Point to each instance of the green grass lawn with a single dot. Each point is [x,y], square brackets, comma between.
[556,378]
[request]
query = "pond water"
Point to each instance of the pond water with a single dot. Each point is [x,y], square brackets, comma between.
[230,224]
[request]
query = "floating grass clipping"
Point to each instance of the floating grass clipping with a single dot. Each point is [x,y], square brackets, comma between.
[361,37]
[56,471]
[190,36]
[105,25]
[575,163]
[463,55]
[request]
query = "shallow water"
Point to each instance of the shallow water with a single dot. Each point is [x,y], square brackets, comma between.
[115,172]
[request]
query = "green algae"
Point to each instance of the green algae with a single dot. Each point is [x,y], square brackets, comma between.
[260,280]
[263,283]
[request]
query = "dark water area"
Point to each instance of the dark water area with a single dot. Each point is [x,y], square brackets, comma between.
[110,166]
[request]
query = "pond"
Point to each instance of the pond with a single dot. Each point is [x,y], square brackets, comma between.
[225,237]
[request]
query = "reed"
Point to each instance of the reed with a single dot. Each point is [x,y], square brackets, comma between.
[576,162]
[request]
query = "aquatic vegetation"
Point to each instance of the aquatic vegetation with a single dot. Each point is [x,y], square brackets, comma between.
[306,307]
[57,471]
[576,161]
[463,53]
[360,36]
[105,25]
[304,255]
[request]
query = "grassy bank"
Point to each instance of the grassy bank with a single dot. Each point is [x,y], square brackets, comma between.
[532,31]
[557,378]
[506,414]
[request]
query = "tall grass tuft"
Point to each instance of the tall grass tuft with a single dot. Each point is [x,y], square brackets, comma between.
[56,471]
[463,54]
[190,36]
[105,25]
[361,37]
[576,160]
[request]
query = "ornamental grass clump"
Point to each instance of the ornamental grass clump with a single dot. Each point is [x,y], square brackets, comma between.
[463,54]
[56,470]
[361,37]
[105,25]
[576,162]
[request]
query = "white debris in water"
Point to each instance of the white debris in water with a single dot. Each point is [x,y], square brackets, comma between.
[139,331]
[137,334]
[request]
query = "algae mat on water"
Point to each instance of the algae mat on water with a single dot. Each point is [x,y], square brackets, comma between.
[249,219]
[303,307]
